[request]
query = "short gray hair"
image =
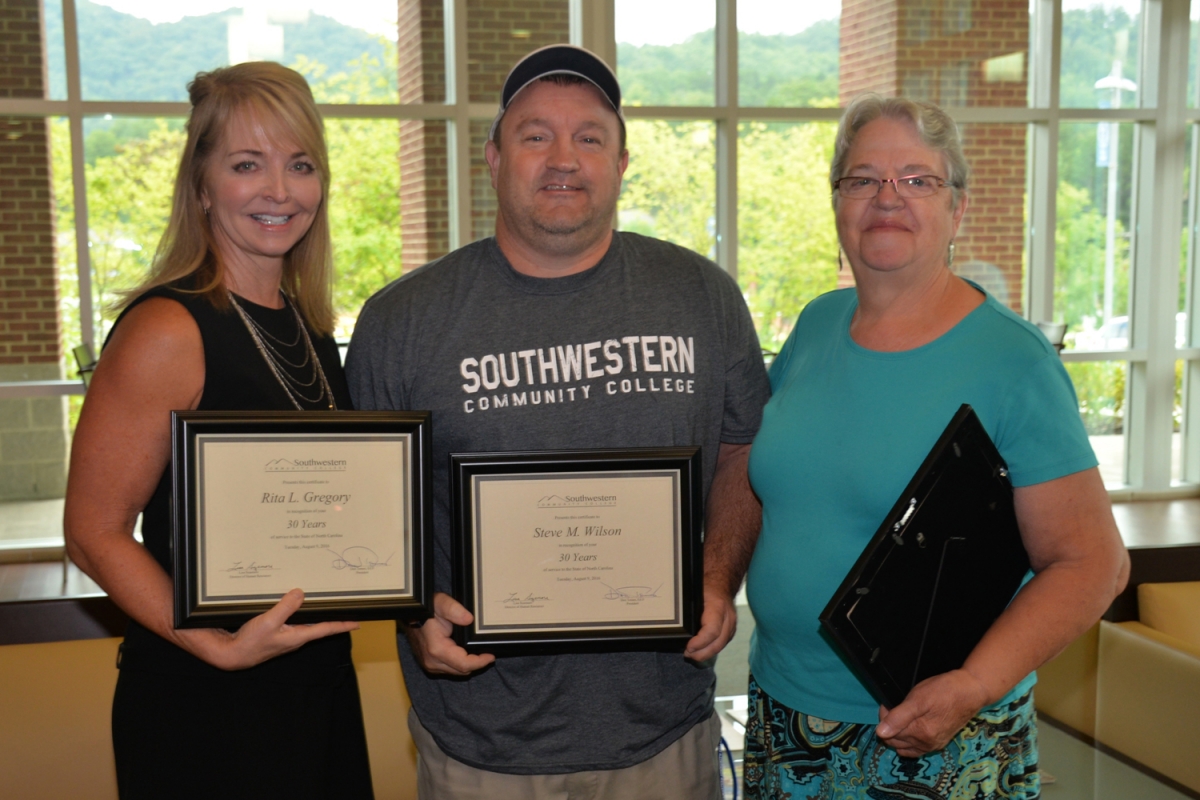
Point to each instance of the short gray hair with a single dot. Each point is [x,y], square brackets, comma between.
[934,126]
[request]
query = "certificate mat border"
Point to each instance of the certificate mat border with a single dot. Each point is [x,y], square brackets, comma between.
[481,624]
[191,611]
[586,637]
[208,598]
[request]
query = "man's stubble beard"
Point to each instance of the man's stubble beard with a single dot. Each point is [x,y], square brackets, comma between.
[560,237]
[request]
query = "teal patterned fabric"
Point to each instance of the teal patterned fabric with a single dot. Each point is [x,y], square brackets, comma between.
[790,755]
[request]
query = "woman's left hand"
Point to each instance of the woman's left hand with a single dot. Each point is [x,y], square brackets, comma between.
[934,712]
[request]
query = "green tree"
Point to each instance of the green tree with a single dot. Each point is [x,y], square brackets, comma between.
[129,201]
[670,186]
[1100,387]
[1079,293]
[129,196]
[773,70]
[1079,260]
[1091,39]
[364,192]
[679,74]
[787,253]
[800,69]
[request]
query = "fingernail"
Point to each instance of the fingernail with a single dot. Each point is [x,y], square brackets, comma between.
[883,730]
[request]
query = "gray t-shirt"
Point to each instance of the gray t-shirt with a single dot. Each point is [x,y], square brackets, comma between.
[651,347]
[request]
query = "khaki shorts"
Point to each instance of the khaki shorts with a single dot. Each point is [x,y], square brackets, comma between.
[686,770]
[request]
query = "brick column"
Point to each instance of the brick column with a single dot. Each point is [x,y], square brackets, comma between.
[956,53]
[499,32]
[424,193]
[33,432]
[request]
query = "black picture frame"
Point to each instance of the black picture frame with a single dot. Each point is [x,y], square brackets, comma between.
[943,565]
[471,470]
[193,431]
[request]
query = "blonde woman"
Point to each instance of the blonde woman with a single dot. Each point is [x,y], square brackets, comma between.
[235,315]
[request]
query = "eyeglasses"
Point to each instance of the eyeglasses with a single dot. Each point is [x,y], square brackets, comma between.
[859,187]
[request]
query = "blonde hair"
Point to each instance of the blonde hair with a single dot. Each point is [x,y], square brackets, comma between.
[935,128]
[274,94]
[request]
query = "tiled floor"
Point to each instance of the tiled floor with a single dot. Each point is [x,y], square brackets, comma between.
[1083,773]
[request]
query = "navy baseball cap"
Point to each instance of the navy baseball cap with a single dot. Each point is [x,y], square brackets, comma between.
[559,59]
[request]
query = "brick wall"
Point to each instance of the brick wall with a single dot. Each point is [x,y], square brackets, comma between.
[33,435]
[28,289]
[499,32]
[424,192]
[956,53]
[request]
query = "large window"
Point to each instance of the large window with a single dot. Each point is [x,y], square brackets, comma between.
[1076,212]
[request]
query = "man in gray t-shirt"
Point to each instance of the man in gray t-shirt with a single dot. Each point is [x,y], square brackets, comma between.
[561,333]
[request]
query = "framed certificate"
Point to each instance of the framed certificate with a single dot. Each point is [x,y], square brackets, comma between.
[335,503]
[578,551]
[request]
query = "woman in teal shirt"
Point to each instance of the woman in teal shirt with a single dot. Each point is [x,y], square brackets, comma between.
[861,390]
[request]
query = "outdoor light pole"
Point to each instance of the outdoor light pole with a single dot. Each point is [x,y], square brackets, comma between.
[1116,83]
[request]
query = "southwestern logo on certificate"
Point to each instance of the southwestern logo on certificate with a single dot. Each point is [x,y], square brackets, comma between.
[557,551]
[320,514]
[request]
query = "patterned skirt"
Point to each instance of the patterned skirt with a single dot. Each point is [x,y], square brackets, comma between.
[790,755]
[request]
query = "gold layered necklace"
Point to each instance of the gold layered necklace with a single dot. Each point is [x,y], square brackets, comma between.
[279,364]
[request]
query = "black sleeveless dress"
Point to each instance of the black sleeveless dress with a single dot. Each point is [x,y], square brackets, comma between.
[290,727]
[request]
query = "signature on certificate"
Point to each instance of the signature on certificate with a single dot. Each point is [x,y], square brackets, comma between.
[360,559]
[516,600]
[240,569]
[631,594]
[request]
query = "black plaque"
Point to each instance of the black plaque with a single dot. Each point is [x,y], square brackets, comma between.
[944,564]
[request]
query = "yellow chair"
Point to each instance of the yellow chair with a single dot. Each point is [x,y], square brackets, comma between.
[1148,682]
[56,702]
[55,738]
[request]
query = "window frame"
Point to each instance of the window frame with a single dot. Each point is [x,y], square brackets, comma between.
[1160,120]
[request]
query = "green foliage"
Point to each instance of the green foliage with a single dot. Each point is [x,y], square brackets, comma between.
[679,74]
[799,69]
[788,246]
[670,186]
[1079,242]
[1177,408]
[1100,386]
[364,195]
[787,252]
[130,181]
[103,136]
[796,70]
[1077,165]
[124,57]
[1091,39]
[129,201]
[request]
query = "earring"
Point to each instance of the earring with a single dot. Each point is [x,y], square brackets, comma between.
[950,258]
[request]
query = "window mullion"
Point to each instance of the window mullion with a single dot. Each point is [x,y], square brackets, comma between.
[727,131]
[458,127]
[83,262]
[1042,172]
[1158,181]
